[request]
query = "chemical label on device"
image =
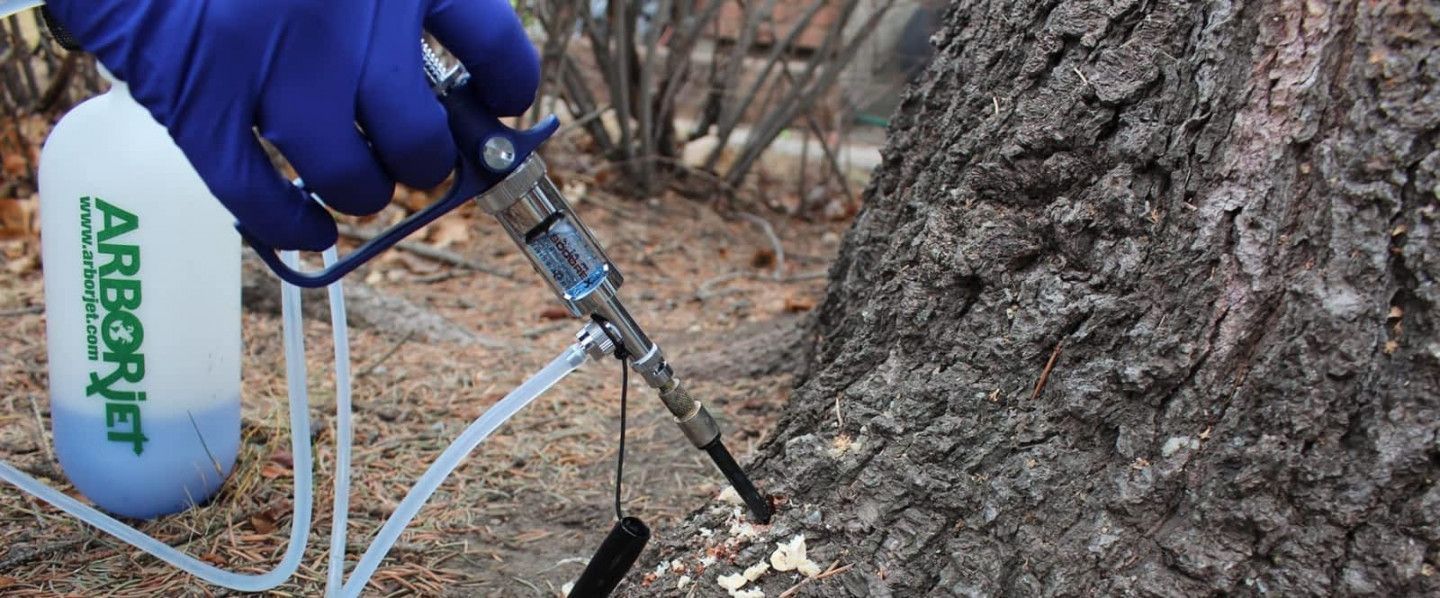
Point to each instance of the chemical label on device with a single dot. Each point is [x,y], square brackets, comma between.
[574,264]
[110,263]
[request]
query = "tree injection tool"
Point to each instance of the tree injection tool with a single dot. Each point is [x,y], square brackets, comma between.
[497,167]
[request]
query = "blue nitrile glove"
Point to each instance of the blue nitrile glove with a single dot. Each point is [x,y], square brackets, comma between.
[304,73]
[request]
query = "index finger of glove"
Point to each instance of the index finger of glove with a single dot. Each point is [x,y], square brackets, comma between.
[487,36]
[400,114]
[268,207]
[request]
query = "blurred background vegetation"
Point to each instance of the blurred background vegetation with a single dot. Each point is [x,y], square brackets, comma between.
[778,105]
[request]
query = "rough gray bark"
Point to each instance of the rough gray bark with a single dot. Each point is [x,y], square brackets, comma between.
[1219,224]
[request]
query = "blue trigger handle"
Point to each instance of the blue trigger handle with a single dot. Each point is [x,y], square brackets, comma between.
[473,126]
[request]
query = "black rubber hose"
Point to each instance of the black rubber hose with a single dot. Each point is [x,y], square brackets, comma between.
[613,560]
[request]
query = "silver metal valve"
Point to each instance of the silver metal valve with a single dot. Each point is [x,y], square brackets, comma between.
[566,255]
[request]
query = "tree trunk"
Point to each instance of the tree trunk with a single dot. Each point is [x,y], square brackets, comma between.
[1143,301]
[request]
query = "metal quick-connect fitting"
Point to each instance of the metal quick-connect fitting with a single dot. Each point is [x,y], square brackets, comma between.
[692,416]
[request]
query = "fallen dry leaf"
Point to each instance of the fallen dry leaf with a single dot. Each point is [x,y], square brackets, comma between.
[410,199]
[23,264]
[575,191]
[448,231]
[763,258]
[602,177]
[554,313]
[14,165]
[17,218]
[415,264]
[262,523]
[271,471]
[799,304]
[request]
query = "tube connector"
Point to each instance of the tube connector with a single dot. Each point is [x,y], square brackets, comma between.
[595,341]
[692,417]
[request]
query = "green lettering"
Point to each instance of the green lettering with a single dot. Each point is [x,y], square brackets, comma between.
[112,394]
[125,413]
[116,222]
[130,366]
[120,294]
[124,259]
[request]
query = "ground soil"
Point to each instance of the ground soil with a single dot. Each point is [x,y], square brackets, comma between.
[524,513]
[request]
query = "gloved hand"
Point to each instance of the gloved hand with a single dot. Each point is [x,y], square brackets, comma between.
[304,73]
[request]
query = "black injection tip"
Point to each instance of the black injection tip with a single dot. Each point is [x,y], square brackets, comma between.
[759,505]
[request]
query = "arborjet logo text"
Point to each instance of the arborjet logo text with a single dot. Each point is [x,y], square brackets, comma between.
[112,324]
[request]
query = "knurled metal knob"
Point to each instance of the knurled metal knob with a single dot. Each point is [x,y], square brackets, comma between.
[594,340]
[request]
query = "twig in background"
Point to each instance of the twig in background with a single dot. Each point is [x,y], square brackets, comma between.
[580,101]
[40,429]
[774,241]
[681,46]
[785,112]
[704,292]
[600,48]
[1045,374]
[804,276]
[370,367]
[438,276]
[731,117]
[829,572]
[625,69]
[32,85]
[543,329]
[44,552]
[644,81]
[554,17]
[429,252]
[583,120]
[21,311]
[679,165]
[830,156]
[58,84]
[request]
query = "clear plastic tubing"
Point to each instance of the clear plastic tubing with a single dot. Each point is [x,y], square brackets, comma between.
[340,515]
[568,360]
[300,447]
[572,357]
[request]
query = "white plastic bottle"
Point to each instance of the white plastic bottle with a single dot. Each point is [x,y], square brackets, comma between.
[142,305]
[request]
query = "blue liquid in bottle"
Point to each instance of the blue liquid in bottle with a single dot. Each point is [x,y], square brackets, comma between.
[183,463]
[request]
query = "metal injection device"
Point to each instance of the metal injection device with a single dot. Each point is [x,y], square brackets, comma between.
[499,169]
